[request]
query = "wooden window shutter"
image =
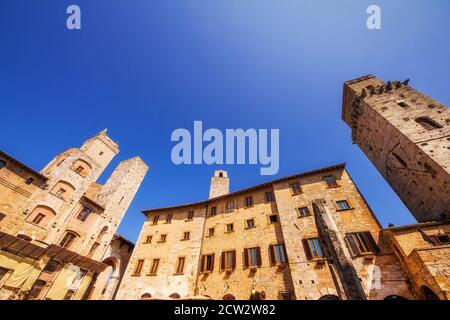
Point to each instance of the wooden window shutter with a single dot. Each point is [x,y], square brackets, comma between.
[352,245]
[202,264]
[258,255]
[222,261]
[372,242]
[272,254]
[285,253]
[245,258]
[233,266]
[307,249]
[212,262]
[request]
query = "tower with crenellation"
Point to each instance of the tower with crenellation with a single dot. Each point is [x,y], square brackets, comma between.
[406,135]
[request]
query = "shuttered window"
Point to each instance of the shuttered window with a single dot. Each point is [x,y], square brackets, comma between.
[361,243]
[278,254]
[312,248]
[252,257]
[228,260]
[207,263]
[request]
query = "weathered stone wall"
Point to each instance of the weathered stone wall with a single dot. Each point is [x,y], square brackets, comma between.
[241,281]
[166,282]
[424,263]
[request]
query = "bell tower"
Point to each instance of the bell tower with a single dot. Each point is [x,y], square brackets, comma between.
[220,184]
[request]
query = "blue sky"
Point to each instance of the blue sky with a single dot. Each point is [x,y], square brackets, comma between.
[144,68]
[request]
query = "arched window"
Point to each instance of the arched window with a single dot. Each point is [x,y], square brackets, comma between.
[146,296]
[63,190]
[81,167]
[428,123]
[68,239]
[2,164]
[93,248]
[84,214]
[41,216]
[102,233]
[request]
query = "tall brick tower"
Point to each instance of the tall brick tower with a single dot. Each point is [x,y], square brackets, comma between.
[406,135]
[220,184]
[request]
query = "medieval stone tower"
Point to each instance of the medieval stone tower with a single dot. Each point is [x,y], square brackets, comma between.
[220,184]
[406,135]
[74,203]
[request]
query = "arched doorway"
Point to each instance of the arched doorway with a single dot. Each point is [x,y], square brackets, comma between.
[428,294]
[395,297]
[174,296]
[146,296]
[105,286]
[329,297]
[228,296]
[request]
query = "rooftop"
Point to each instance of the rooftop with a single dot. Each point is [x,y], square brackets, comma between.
[22,165]
[256,187]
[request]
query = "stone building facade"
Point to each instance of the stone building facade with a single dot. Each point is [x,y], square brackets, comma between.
[406,135]
[57,226]
[309,236]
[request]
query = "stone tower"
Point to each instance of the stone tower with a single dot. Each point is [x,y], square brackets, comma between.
[406,135]
[118,192]
[220,184]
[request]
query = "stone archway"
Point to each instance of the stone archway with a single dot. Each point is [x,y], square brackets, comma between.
[107,282]
[329,297]
[428,294]
[146,296]
[395,297]
[175,296]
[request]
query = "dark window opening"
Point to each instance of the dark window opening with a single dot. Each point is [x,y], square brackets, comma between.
[428,123]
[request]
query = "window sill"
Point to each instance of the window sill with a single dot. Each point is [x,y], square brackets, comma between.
[167,222]
[248,207]
[296,194]
[152,274]
[161,242]
[185,239]
[228,232]
[228,270]
[349,209]
[366,255]
[187,220]
[178,274]
[249,228]
[333,187]
[309,215]
[280,265]
[135,275]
